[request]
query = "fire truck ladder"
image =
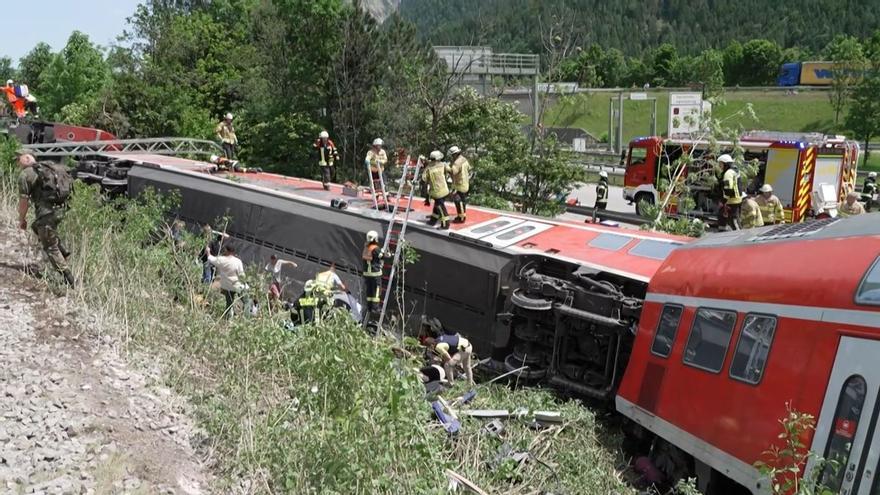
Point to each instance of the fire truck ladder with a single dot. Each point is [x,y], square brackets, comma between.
[395,236]
[377,188]
[155,146]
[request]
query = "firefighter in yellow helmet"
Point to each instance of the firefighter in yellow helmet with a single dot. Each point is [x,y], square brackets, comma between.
[731,187]
[771,206]
[434,176]
[460,170]
[851,206]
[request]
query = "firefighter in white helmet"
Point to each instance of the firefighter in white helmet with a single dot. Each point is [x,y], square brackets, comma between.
[226,134]
[771,206]
[372,258]
[375,161]
[731,188]
[869,190]
[328,155]
[434,176]
[460,169]
[602,191]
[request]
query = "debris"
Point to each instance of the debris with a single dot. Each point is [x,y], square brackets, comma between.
[450,423]
[452,475]
[464,399]
[494,427]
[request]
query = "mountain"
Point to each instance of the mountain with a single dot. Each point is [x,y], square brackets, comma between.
[636,25]
[380,9]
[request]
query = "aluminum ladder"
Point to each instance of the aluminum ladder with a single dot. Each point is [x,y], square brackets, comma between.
[377,188]
[168,146]
[396,233]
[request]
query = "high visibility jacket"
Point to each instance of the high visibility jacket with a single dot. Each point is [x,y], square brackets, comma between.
[376,160]
[602,191]
[372,260]
[751,214]
[771,210]
[869,188]
[846,210]
[435,176]
[308,308]
[226,133]
[327,152]
[730,185]
[461,170]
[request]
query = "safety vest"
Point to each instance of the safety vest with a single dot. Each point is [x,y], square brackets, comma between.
[771,210]
[308,309]
[461,170]
[602,191]
[730,183]
[870,187]
[226,133]
[377,160]
[372,261]
[435,177]
[751,214]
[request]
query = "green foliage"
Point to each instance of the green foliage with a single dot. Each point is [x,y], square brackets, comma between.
[849,60]
[6,70]
[863,118]
[760,62]
[8,166]
[74,77]
[32,65]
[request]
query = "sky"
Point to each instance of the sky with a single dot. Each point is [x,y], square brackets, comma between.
[52,21]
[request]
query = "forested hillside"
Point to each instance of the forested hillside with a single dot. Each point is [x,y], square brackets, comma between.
[634,26]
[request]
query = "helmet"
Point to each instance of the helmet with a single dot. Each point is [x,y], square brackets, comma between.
[725,158]
[309,286]
[766,188]
[436,155]
[454,150]
[10,82]
[324,135]
[378,142]
[228,116]
[372,236]
[603,174]
[214,158]
[872,174]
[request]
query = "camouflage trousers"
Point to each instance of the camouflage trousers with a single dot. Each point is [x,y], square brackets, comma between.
[47,233]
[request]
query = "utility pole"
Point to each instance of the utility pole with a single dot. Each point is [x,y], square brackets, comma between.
[619,122]
[611,124]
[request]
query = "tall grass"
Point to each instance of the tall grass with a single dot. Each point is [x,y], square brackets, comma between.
[324,409]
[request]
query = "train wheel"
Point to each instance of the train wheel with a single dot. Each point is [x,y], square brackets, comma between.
[523,301]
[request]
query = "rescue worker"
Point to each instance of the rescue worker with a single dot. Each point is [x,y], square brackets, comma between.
[375,161]
[454,350]
[602,191]
[48,187]
[869,190]
[308,307]
[274,268]
[851,206]
[226,134]
[230,269]
[327,153]
[16,95]
[460,170]
[752,216]
[434,176]
[771,207]
[731,187]
[433,376]
[372,257]
[330,281]
[225,164]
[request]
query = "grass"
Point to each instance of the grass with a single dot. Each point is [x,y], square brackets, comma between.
[806,111]
[323,410]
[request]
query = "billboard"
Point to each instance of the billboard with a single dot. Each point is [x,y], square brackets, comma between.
[686,112]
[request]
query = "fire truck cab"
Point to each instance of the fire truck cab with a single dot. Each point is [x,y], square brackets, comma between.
[796,165]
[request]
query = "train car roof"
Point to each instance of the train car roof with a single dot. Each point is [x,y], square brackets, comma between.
[629,253]
[800,268]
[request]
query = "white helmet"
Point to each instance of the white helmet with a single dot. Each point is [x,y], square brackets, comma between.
[214,158]
[436,155]
[378,142]
[228,116]
[309,286]
[603,174]
[372,236]
[872,174]
[725,158]
[454,150]
[10,82]
[766,188]
[324,135]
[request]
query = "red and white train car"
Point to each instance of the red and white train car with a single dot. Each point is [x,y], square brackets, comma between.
[736,326]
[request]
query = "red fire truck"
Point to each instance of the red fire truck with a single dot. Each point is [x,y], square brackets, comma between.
[796,165]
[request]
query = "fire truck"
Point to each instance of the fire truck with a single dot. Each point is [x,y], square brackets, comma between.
[802,168]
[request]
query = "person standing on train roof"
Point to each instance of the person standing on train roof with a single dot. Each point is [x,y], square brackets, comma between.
[226,134]
[851,206]
[731,187]
[751,214]
[375,161]
[435,177]
[328,155]
[460,170]
[771,207]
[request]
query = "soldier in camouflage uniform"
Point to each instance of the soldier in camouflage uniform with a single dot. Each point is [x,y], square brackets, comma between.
[48,216]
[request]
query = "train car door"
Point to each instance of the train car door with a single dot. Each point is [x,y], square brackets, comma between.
[846,430]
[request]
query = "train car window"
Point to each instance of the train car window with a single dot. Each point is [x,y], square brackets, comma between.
[657,250]
[843,432]
[869,289]
[666,329]
[611,242]
[709,339]
[752,348]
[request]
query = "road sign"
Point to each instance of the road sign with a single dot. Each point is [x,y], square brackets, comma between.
[686,113]
[638,96]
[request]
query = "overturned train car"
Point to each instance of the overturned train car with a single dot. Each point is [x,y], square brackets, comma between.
[559,297]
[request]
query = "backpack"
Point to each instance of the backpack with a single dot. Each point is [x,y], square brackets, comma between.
[55,183]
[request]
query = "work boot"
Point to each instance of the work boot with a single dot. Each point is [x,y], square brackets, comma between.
[444,226]
[432,221]
[68,279]
[326,187]
[427,202]
[459,219]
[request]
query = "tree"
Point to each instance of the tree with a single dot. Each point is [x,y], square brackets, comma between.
[32,65]
[733,63]
[863,118]
[6,70]
[760,62]
[663,62]
[708,72]
[612,68]
[849,61]
[76,75]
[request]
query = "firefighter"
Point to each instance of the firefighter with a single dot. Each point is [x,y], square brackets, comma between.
[226,134]
[434,176]
[308,307]
[460,170]
[869,190]
[372,257]
[851,206]
[375,161]
[327,157]
[602,191]
[771,207]
[751,213]
[226,165]
[731,187]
